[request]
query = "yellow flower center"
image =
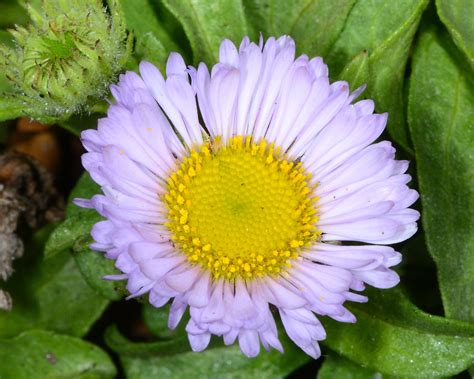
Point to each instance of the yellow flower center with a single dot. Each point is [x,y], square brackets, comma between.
[240,209]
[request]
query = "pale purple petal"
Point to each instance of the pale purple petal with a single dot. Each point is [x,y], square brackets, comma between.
[178,307]
[199,342]
[249,343]
[199,295]
[358,188]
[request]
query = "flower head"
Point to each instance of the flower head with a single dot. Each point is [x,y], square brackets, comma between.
[230,191]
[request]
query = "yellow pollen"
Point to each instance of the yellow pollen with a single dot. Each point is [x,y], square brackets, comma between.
[242,209]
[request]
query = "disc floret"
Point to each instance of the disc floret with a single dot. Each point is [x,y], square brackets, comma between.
[241,209]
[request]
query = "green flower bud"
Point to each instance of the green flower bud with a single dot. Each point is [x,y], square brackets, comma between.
[64,61]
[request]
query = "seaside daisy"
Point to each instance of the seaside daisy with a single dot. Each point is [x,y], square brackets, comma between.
[251,191]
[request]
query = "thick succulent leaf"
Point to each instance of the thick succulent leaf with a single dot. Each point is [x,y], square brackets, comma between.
[385,29]
[458,16]
[44,354]
[208,22]
[49,294]
[335,366]
[314,24]
[441,117]
[172,359]
[394,337]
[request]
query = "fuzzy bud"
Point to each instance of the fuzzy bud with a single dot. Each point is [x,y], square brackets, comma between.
[64,61]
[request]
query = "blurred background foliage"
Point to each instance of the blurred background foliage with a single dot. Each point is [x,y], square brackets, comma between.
[57,58]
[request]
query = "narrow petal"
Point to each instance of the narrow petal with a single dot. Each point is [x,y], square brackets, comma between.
[178,307]
[199,342]
[200,293]
[249,343]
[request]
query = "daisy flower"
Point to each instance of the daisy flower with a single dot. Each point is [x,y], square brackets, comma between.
[233,192]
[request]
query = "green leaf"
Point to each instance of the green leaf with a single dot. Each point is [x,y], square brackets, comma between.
[356,72]
[94,266]
[385,29]
[11,106]
[151,49]
[73,235]
[12,13]
[372,26]
[172,359]
[154,42]
[335,366]
[441,117]
[44,354]
[394,337]
[71,229]
[156,319]
[85,188]
[78,222]
[5,39]
[208,22]
[141,18]
[457,15]
[314,24]
[49,294]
